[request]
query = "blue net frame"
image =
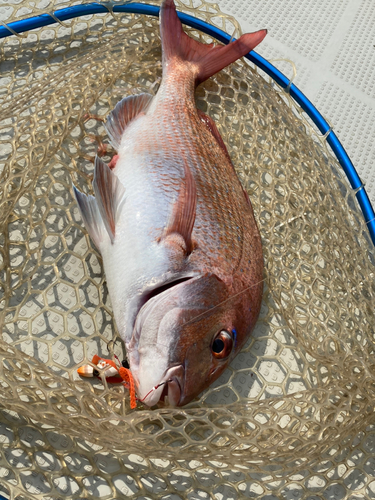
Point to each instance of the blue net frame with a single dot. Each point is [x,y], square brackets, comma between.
[151,10]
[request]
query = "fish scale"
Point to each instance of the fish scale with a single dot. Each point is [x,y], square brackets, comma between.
[180,246]
[214,206]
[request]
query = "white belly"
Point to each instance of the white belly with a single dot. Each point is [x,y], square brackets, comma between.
[137,259]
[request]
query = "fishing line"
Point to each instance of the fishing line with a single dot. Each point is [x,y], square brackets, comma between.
[224,301]
[149,392]
[355,191]
[206,312]
[195,317]
[154,389]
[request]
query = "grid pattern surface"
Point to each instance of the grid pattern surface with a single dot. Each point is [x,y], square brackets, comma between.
[332,46]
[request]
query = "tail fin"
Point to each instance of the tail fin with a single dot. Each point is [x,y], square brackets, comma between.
[177,44]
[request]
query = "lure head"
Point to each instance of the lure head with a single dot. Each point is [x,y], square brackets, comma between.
[185,337]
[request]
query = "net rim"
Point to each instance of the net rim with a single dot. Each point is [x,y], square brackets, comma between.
[324,127]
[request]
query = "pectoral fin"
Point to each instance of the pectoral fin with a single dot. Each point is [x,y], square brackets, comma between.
[123,113]
[181,223]
[110,195]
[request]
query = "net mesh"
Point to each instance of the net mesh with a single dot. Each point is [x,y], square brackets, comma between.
[292,417]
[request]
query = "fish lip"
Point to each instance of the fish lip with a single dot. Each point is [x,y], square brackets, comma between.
[174,375]
[177,376]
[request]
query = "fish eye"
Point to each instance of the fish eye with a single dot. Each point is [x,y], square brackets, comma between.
[222,345]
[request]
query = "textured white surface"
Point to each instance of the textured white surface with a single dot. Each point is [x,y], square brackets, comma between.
[332,44]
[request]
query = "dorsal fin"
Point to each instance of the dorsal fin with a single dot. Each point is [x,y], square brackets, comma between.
[110,195]
[91,216]
[182,220]
[122,114]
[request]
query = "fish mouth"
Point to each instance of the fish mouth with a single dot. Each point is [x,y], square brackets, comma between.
[150,294]
[171,384]
[170,388]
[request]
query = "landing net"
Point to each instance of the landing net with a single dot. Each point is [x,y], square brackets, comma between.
[293,416]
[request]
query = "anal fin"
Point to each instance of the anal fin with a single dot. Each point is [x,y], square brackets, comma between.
[123,113]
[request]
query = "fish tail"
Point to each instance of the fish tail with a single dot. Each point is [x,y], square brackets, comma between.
[208,59]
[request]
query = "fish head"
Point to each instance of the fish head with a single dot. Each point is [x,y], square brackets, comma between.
[185,337]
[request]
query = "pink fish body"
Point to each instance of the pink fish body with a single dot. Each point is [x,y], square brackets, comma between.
[180,245]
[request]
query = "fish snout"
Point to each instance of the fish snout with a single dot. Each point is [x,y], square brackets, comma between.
[171,386]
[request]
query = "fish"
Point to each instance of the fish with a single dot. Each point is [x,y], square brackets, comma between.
[181,249]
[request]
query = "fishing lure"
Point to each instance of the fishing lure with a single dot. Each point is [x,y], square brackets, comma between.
[112,372]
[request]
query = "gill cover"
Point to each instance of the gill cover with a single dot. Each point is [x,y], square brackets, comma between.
[173,337]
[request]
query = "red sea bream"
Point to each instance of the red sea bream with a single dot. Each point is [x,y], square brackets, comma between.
[180,246]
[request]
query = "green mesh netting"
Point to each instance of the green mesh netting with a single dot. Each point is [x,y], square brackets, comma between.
[292,417]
